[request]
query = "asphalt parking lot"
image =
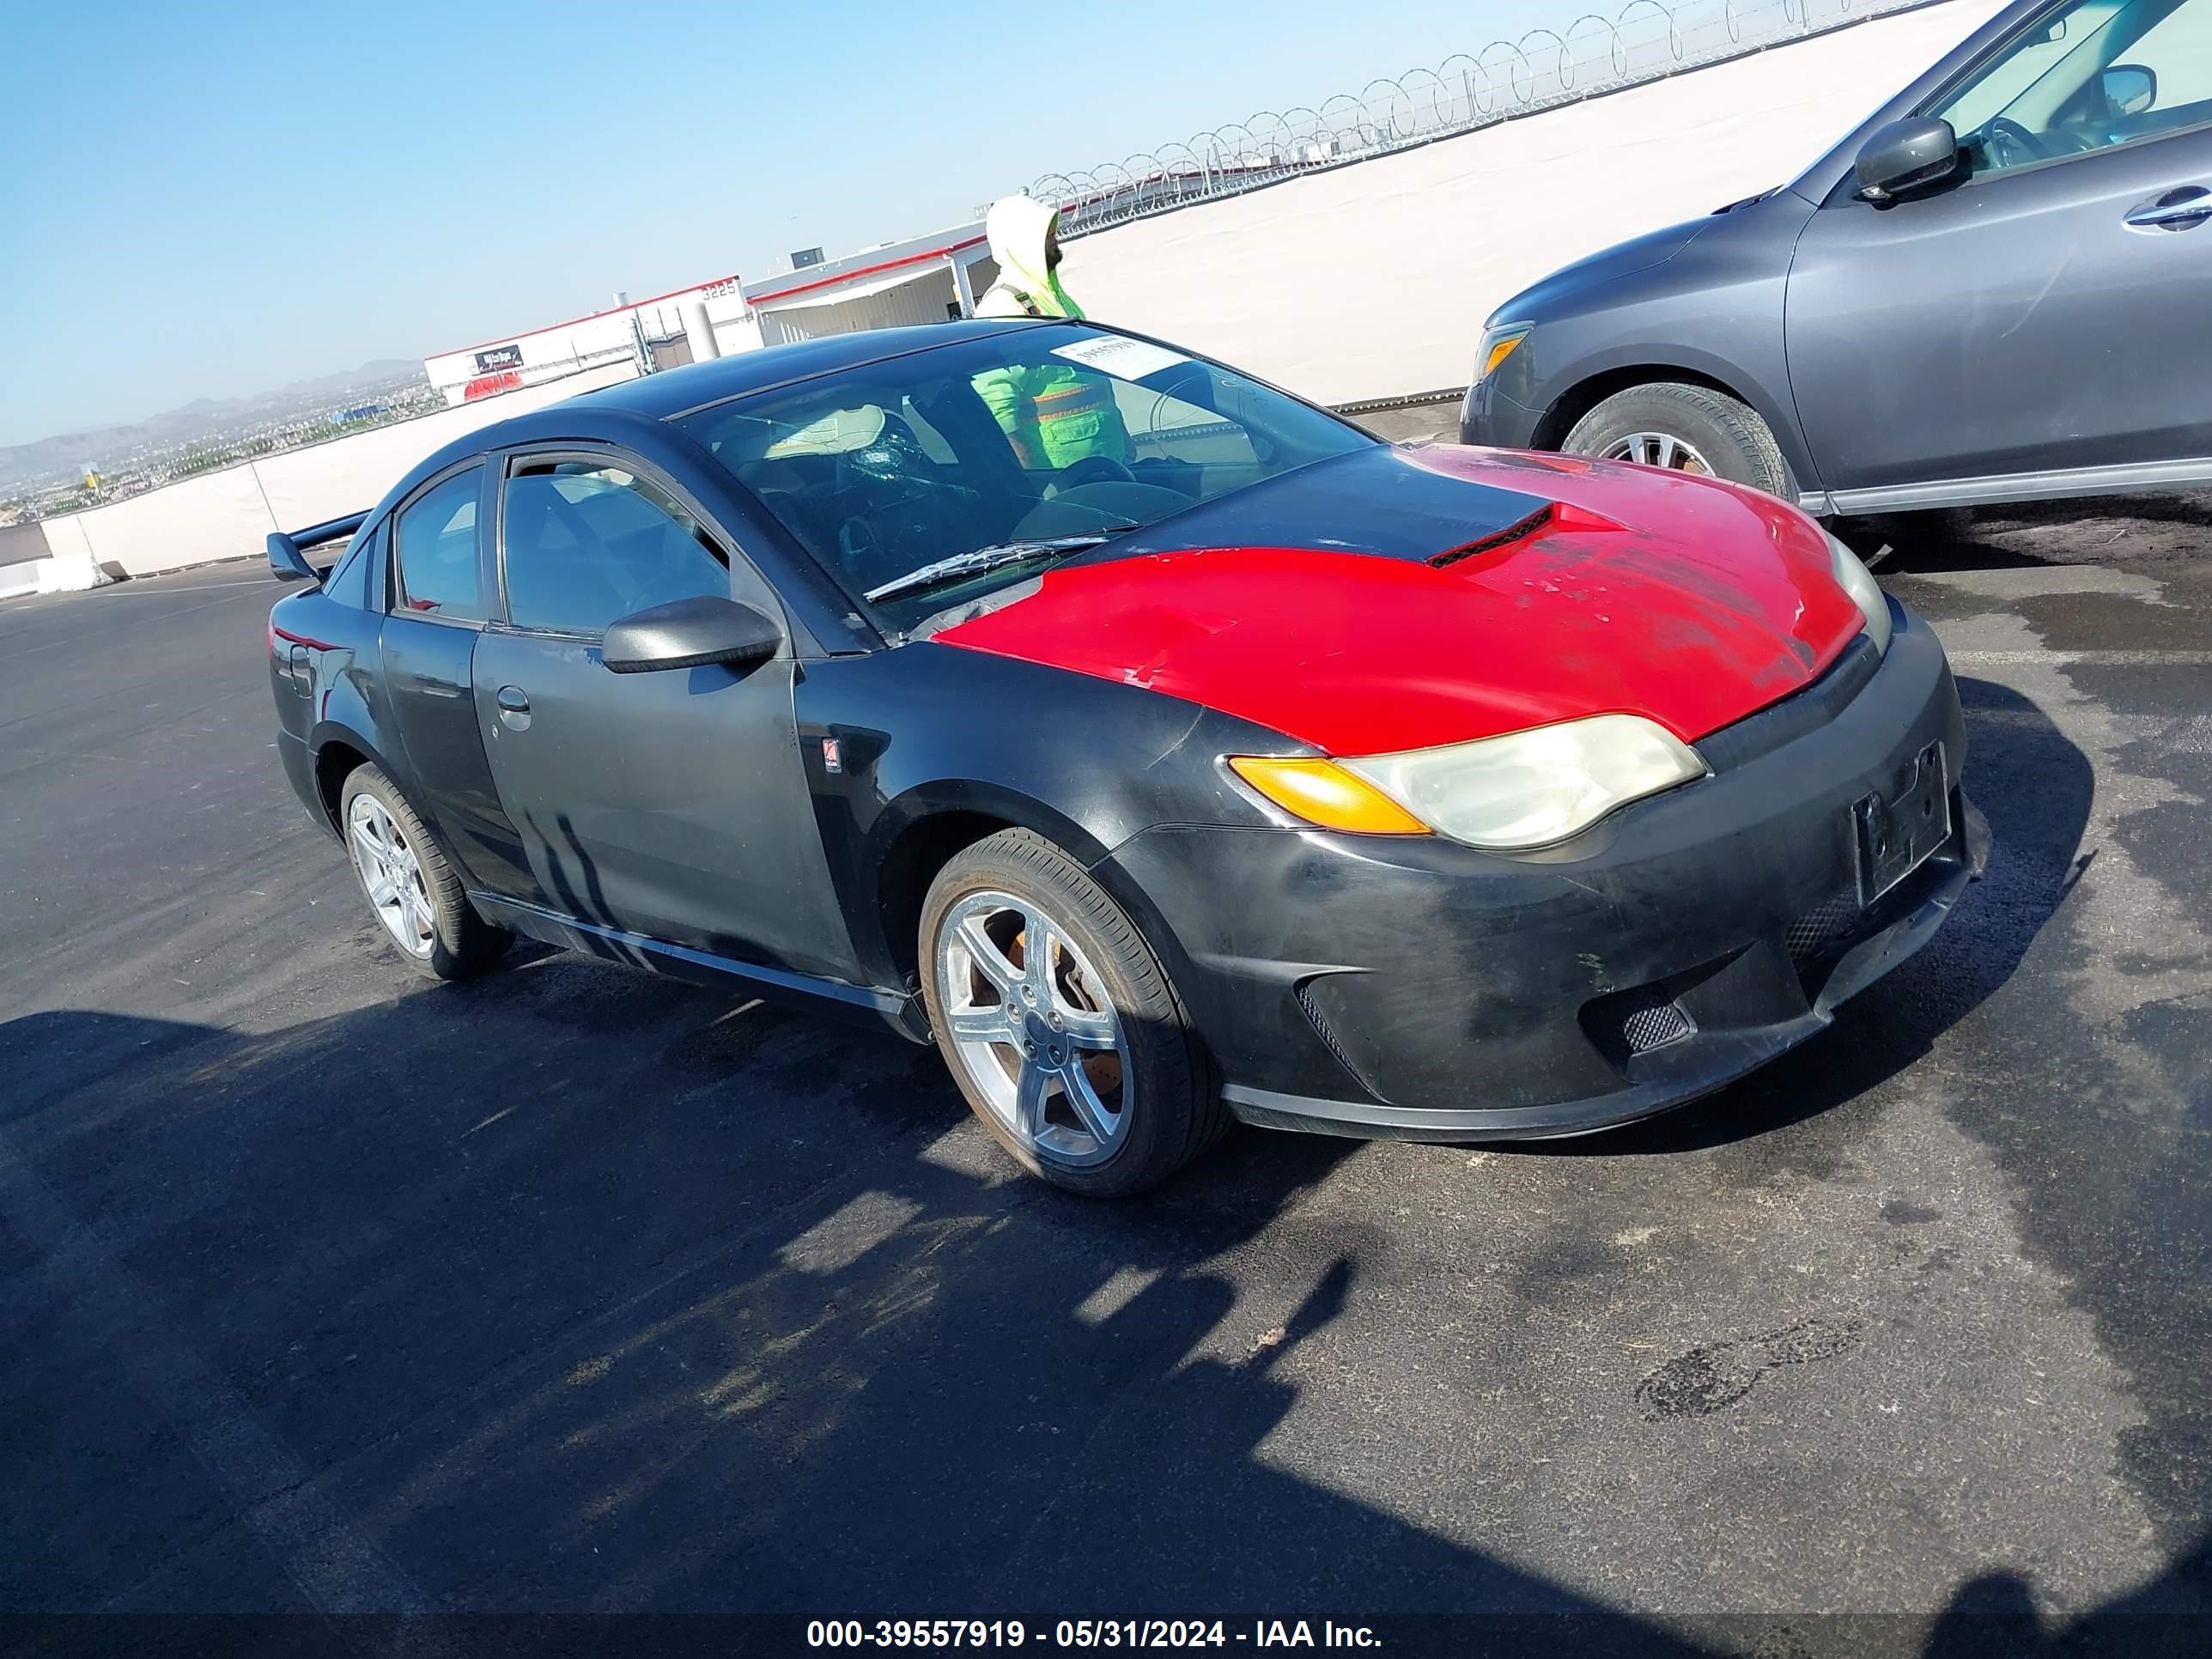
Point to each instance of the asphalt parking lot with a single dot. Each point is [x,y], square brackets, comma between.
[322,1289]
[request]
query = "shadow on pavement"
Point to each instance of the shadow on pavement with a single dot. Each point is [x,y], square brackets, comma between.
[574,1290]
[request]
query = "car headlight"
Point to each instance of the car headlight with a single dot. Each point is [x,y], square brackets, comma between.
[1855,580]
[1499,342]
[1525,789]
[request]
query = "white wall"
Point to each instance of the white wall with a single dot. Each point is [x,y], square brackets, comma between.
[1374,280]
[228,514]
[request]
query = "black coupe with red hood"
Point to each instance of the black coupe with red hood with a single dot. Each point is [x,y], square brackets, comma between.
[1247,766]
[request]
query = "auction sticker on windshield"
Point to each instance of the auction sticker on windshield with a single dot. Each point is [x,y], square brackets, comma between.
[1112,353]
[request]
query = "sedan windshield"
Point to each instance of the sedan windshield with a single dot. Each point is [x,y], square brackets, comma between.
[930,479]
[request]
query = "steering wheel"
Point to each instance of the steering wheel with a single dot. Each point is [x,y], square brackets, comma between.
[1091,469]
[2009,144]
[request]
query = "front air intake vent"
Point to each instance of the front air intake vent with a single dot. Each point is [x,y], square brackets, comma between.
[1537,521]
[1655,1027]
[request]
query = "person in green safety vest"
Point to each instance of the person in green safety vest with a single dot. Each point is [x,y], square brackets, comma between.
[1053,416]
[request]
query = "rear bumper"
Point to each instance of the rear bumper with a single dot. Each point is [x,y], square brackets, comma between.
[1421,989]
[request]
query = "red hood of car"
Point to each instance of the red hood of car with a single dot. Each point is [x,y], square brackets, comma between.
[1622,589]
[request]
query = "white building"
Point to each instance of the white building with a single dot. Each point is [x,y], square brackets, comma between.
[618,334]
[924,279]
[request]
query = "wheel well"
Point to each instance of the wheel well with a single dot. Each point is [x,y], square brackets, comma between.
[1578,401]
[923,849]
[334,763]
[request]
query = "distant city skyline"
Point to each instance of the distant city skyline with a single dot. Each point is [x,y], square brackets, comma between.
[215,204]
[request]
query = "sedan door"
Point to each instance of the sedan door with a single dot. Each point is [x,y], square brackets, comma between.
[671,805]
[2037,329]
[440,598]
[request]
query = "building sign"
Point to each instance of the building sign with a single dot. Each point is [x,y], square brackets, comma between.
[486,386]
[499,357]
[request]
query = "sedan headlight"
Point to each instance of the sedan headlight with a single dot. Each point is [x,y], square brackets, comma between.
[1523,790]
[1855,580]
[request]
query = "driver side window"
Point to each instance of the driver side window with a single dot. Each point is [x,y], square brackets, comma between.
[2096,74]
[585,543]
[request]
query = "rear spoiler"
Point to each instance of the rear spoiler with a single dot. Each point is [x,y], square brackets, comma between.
[287,556]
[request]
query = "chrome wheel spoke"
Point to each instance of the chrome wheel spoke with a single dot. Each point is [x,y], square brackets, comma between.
[1087,1028]
[1030,1085]
[1038,948]
[989,960]
[989,1025]
[1075,1083]
[1660,449]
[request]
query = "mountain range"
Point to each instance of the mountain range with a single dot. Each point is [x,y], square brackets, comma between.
[68,455]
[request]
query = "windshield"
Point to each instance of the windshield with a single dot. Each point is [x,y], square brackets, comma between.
[938,476]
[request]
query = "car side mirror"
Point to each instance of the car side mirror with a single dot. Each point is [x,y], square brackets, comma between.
[690,633]
[1907,155]
[2130,88]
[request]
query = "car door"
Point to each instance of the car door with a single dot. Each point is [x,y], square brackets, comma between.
[671,805]
[2039,321]
[440,597]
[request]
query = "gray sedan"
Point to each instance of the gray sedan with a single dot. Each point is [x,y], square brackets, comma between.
[1993,291]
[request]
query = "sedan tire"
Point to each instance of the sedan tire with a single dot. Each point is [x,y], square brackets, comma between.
[1058,1023]
[412,888]
[1686,429]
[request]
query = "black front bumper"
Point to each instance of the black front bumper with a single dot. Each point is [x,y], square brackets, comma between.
[1422,989]
[1487,417]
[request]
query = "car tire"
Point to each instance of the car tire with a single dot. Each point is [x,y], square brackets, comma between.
[1086,1070]
[1711,433]
[413,890]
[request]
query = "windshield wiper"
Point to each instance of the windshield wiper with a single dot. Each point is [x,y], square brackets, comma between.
[978,560]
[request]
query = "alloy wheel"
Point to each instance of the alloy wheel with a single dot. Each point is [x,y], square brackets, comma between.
[392,876]
[1030,1022]
[1660,449]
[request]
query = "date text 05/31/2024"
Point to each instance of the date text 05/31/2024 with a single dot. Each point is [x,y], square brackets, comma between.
[1086,1633]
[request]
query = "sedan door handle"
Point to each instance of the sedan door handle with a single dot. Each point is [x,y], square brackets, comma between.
[513,699]
[2178,210]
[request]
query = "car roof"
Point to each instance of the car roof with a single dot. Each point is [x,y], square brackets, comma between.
[672,391]
[610,410]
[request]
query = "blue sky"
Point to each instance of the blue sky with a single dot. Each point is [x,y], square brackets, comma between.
[205,200]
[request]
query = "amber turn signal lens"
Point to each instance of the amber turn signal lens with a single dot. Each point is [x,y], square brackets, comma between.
[1322,792]
[1500,349]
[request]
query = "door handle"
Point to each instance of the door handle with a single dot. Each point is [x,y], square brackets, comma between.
[2178,210]
[513,699]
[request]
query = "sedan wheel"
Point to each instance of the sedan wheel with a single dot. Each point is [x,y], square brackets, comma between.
[1059,1022]
[412,886]
[392,875]
[1686,429]
[1032,1027]
[1661,449]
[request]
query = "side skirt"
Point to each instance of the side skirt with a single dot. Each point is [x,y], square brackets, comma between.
[903,1012]
[2131,479]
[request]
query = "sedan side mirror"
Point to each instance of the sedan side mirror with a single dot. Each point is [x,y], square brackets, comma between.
[690,633]
[1907,155]
[2130,88]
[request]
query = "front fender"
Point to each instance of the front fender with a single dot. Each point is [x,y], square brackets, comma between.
[926,730]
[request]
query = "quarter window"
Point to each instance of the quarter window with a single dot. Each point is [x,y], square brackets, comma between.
[586,543]
[439,572]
